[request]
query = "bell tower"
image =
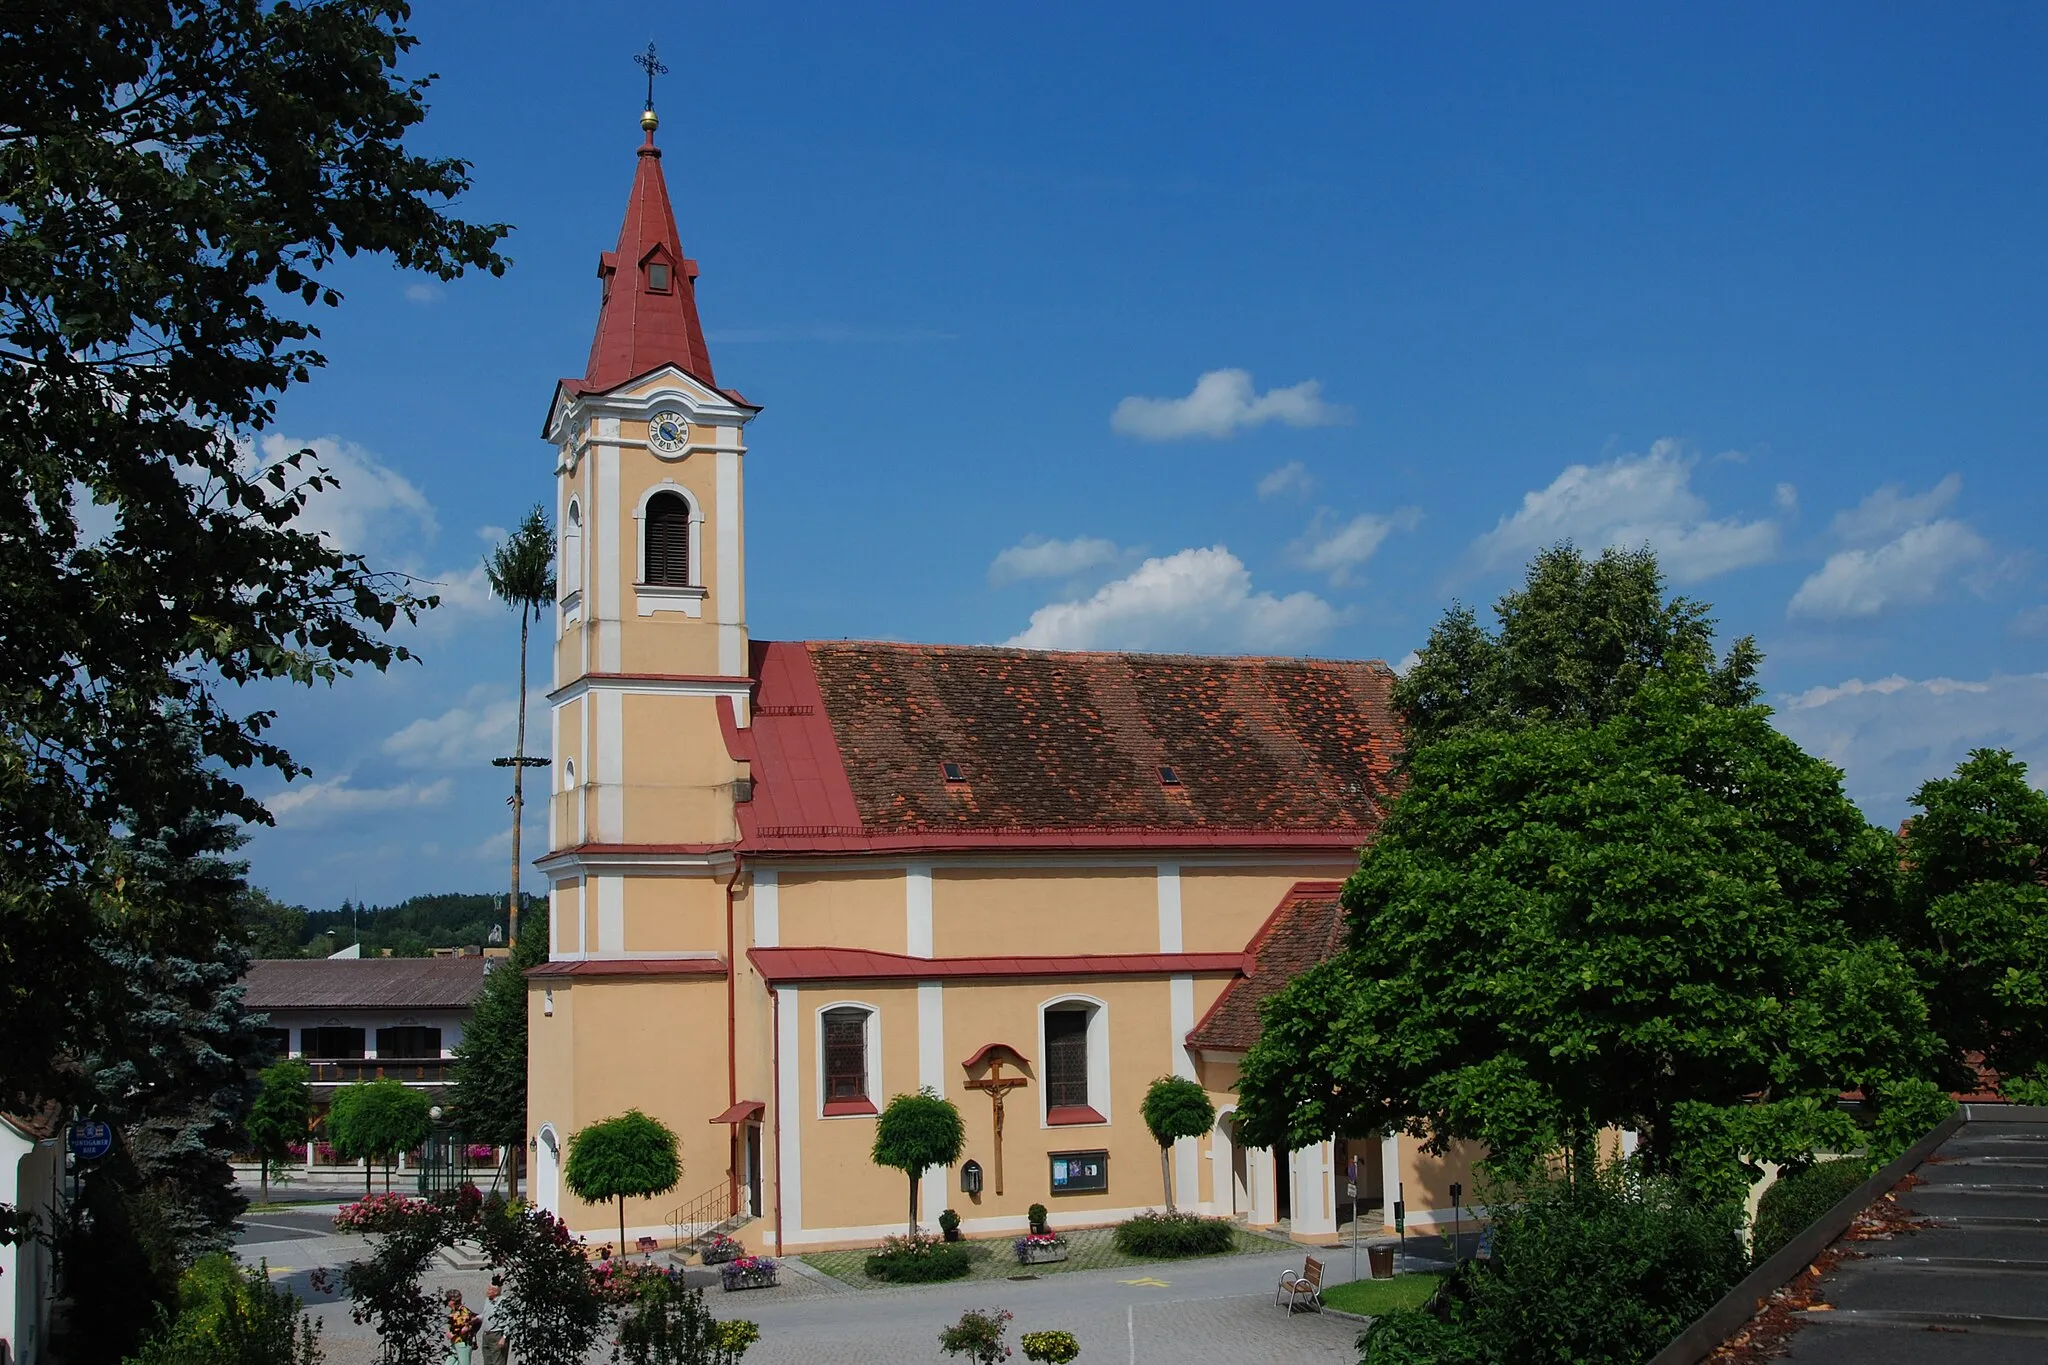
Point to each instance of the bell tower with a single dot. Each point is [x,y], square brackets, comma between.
[651,627]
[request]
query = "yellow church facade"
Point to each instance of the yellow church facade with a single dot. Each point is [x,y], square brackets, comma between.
[789,880]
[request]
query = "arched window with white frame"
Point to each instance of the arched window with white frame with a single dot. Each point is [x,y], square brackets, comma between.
[665,549]
[849,1058]
[571,575]
[1073,1041]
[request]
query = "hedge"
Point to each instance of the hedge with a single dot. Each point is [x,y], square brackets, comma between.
[936,1261]
[1789,1207]
[1165,1235]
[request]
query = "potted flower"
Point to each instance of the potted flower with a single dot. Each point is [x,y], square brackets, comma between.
[1041,1248]
[949,1225]
[719,1248]
[1036,1215]
[1054,1348]
[750,1272]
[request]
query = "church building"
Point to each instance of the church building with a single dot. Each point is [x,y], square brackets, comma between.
[791,879]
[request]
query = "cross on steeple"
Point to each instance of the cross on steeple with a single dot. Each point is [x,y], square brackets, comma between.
[650,63]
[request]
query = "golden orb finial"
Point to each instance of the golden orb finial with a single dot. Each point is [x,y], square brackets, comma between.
[648,120]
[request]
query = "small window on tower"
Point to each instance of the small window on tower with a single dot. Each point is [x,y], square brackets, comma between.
[657,276]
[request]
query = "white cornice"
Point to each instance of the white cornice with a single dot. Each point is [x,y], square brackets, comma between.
[668,687]
[572,863]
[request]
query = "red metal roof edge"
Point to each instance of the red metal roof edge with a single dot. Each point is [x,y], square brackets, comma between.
[865,964]
[914,647]
[742,1111]
[982,1052]
[632,966]
[1299,891]
[1078,837]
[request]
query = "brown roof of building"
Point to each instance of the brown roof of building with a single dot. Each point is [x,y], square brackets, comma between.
[849,742]
[1307,927]
[370,983]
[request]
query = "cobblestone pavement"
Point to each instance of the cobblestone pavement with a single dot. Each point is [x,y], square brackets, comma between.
[1201,1312]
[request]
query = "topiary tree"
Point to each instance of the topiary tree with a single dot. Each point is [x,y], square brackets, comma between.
[281,1115]
[373,1120]
[630,1155]
[917,1132]
[1175,1107]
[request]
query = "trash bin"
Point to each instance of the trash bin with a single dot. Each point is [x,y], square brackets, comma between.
[1382,1261]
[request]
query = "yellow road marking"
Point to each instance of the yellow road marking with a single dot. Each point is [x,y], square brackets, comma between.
[1148,1282]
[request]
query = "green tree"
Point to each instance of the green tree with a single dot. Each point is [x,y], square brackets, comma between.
[1975,858]
[282,1114]
[627,1156]
[376,1120]
[1572,645]
[489,1096]
[1646,919]
[915,1133]
[177,182]
[522,575]
[269,926]
[1175,1107]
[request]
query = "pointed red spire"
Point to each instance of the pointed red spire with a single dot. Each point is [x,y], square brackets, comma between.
[649,315]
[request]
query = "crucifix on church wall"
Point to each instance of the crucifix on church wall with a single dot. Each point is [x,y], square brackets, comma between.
[993,1083]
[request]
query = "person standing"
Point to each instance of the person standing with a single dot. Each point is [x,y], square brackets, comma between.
[462,1328]
[497,1350]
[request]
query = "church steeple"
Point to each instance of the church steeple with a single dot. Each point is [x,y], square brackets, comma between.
[649,315]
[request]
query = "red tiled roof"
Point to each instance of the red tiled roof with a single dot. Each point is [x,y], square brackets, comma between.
[369,983]
[632,966]
[1307,927]
[638,330]
[848,739]
[859,964]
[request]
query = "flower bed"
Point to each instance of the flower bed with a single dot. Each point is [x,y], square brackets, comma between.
[1040,1248]
[1153,1235]
[379,1213]
[918,1259]
[750,1272]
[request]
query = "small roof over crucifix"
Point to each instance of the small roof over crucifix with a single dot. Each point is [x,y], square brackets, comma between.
[996,1055]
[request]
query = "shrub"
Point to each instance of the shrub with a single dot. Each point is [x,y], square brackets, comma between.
[553,1309]
[1163,1235]
[665,1322]
[232,1315]
[1604,1267]
[1055,1348]
[1036,1214]
[1906,1111]
[978,1335]
[918,1259]
[1789,1207]
[949,1225]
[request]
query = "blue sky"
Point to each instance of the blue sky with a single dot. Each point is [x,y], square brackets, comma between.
[1184,327]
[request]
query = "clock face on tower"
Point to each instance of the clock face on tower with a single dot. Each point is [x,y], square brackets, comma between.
[668,432]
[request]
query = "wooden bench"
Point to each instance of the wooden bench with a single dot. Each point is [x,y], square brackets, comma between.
[1307,1287]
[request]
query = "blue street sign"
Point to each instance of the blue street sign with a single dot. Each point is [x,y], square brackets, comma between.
[91,1139]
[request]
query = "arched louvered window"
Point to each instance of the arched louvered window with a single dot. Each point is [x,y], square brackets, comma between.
[668,540]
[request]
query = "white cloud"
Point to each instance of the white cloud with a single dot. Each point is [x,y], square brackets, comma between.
[492,535]
[1222,403]
[1291,477]
[1888,511]
[482,727]
[302,805]
[1787,497]
[1632,501]
[1909,569]
[372,509]
[423,291]
[1337,548]
[1196,599]
[1408,661]
[1037,557]
[2032,621]
[1891,734]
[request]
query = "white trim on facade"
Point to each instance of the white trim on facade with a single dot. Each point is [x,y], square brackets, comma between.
[611,916]
[931,1074]
[732,654]
[917,910]
[789,1155]
[767,909]
[604,591]
[1187,1170]
[1169,912]
[737,688]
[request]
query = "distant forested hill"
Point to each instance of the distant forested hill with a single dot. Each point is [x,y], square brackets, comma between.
[411,928]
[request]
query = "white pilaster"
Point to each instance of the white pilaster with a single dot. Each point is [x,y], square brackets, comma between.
[1181,1018]
[610,764]
[1262,1172]
[789,1102]
[917,910]
[1169,912]
[1312,1208]
[611,914]
[1390,1175]
[767,909]
[604,589]
[931,1073]
[731,630]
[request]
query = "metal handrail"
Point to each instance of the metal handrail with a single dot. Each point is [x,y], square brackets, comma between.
[700,1215]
